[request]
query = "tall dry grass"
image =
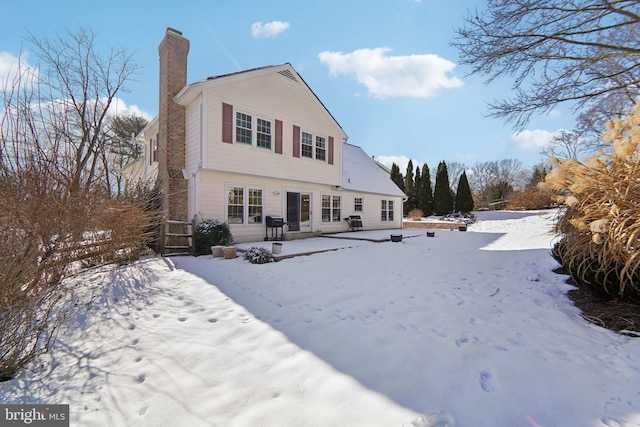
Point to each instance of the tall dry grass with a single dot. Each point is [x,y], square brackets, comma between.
[601,224]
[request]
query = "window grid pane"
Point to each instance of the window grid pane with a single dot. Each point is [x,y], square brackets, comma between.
[235,209]
[264,134]
[307,145]
[243,128]
[321,148]
[326,208]
[336,209]
[357,204]
[255,206]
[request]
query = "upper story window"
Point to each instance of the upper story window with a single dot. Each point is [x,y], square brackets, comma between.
[254,131]
[313,147]
[307,145]
[243,128]
[321,148]
[264,134]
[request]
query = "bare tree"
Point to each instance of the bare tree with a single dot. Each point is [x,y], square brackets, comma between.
[455,170]
[505,174]
[54,210]
[76,88]
[512,171]
[482,175]
[564,145]
[556,51]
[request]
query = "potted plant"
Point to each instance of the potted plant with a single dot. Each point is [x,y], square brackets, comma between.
[230,252]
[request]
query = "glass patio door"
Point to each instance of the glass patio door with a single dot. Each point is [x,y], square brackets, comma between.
[298,211]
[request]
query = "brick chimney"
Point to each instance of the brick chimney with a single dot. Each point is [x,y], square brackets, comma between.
[173,51]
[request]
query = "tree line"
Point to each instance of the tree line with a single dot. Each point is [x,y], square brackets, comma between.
[484,185]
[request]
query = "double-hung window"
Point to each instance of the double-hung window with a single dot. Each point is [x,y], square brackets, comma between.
[357,204]
[330,208]
[244,128]
[386,210]
[321,148]
[307,145]
[244,204]
[253,131]
[264,134]
[313,146]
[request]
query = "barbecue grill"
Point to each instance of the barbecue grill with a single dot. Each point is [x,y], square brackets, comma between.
[273,223]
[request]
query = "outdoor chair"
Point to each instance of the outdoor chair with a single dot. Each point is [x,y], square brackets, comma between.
[355,222]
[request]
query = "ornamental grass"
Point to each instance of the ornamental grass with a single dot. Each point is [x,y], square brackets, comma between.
[600,226]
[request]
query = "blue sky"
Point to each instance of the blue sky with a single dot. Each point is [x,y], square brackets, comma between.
[385,70]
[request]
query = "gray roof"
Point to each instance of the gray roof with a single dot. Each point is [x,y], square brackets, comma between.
[362,173]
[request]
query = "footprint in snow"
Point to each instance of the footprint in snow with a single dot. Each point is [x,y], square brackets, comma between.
[487,382]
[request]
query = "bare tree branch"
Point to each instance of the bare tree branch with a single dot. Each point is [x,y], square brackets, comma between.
[556,51]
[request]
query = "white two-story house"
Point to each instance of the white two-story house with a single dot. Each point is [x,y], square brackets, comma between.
[243,146]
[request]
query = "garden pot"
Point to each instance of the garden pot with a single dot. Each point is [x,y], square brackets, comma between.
[217,251]
[462,228]
[431,233]
[451,228]
[396,237]
[276,248]
[230,252]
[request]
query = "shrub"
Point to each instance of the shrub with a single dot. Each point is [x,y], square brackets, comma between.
[530,199]
[147,195]
[257,255]
[414,214]
[209,233]
[601,222]
[45,235]
[587,272]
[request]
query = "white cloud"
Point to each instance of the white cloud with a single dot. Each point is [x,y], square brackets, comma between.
[11,65]
[532,139]
[401,161]
[417,76]
[119,106]
[270,29]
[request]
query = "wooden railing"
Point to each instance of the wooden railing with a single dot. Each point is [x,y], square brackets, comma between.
[177,237]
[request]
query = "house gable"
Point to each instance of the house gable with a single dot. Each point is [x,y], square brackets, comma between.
[280,98]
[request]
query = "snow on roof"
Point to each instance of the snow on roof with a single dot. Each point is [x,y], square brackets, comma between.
[362,173]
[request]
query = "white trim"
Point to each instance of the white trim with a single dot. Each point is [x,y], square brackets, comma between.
[245,204]
[254,128]
[332,196]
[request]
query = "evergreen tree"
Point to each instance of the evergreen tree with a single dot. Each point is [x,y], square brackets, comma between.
[409,189]
[464,198]
[396,176]
[537,176]
[442,195]
[425,192]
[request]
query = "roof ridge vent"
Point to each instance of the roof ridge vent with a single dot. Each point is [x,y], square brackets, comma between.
[288,74]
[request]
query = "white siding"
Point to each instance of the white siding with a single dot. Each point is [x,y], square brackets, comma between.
[212,190]
[272,97]
[142,169]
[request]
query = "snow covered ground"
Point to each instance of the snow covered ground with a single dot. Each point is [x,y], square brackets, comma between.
[463,329]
